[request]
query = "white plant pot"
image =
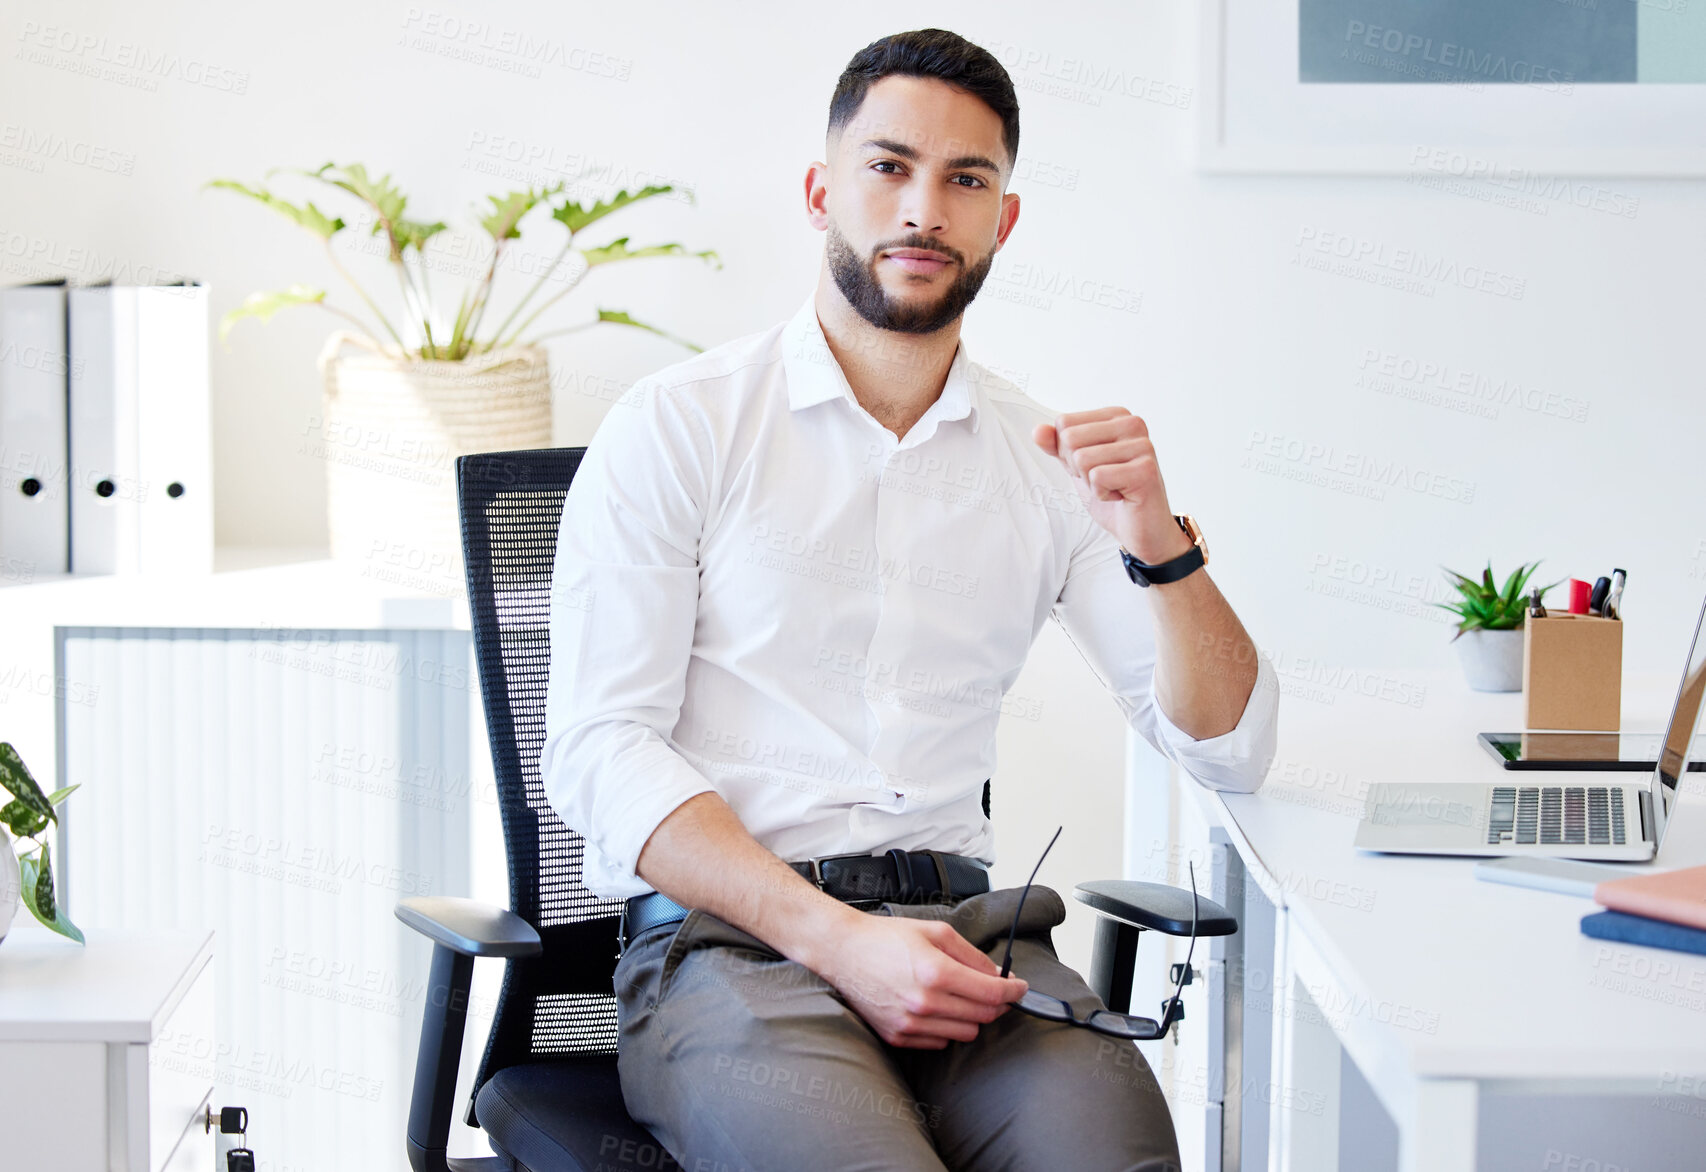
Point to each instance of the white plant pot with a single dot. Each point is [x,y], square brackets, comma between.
[1492,660]
[11,888]
[390,434]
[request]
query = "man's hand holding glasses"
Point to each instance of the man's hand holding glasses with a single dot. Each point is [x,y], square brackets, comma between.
[918,983]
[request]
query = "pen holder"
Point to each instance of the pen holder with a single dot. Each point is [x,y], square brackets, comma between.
[1572,672]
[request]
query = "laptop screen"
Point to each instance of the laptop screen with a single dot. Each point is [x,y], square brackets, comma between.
[1684,721]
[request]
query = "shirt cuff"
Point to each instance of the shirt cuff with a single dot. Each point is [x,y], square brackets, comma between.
[1238,759]
[619,816]
[632,823]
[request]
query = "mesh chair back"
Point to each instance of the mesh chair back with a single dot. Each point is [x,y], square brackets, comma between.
[560,1002]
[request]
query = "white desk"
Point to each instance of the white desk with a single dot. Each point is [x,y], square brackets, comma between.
[1444,989]
[106,1052]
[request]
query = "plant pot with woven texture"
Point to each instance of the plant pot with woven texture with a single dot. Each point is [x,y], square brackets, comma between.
[392,429]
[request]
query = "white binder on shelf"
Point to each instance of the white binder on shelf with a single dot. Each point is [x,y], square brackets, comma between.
[141,430]
[34,505]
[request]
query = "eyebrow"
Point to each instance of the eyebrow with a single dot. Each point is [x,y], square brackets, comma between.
[963,162]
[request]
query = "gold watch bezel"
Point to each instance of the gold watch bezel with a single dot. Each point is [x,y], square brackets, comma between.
[1194,531]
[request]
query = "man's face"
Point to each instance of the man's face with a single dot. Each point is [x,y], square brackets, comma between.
[912,203]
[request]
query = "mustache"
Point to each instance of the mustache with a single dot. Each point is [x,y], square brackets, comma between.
[927,242]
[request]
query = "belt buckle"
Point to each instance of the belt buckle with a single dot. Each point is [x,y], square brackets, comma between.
[816,865]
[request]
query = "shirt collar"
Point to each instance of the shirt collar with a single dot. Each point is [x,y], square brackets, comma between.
[814,376]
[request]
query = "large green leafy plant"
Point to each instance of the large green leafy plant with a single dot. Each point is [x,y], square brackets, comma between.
[27,816]
[1483,605]
[426,334]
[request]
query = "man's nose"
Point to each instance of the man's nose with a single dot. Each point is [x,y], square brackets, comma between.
[925,209]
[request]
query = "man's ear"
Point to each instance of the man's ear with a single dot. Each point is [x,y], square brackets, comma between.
[1009,217]
[817,195]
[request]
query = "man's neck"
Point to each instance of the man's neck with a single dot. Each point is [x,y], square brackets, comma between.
[894,376]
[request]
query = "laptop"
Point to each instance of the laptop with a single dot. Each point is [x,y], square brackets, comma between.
[1596,816]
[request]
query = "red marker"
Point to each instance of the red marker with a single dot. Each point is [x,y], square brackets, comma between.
[1579,593]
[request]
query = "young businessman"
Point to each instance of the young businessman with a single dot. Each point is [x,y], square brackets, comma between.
[796,577]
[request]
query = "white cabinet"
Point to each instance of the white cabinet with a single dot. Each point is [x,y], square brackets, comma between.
[106,1052]
[278,754]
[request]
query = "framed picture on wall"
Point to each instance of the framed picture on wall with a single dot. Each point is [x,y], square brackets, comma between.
[1561,87]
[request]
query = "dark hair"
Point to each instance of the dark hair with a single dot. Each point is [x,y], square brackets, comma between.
[930,52]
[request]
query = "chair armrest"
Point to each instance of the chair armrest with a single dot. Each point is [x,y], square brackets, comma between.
[1125,909]
[460,930]
[1155,906]
[469,927]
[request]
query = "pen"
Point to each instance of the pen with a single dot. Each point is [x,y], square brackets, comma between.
[1596,600]
[1535,610]
[1579,591]
[1614,600]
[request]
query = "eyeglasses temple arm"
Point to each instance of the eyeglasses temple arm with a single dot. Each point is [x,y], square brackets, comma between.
[1184,971]
[1007,957]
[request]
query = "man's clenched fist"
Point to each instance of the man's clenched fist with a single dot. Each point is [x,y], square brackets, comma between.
[1109,455]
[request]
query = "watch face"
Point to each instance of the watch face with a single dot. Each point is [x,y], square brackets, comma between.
[1194,531]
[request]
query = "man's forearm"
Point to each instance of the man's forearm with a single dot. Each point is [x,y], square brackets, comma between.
[701,856]
[1205,662]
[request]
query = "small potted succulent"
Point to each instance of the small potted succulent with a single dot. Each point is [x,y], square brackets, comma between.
[1492,618]
[26,875]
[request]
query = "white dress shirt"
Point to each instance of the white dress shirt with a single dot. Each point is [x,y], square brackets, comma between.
[761,592]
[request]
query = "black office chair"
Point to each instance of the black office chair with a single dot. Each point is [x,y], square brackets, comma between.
[546,1093]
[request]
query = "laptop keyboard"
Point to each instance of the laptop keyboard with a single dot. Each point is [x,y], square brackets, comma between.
[1561,814]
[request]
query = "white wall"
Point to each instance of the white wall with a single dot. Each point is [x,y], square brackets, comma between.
[1231,338]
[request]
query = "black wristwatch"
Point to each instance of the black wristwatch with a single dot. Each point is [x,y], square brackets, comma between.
[1182,566]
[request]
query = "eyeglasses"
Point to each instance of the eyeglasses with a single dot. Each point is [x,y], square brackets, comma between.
[1102,1021]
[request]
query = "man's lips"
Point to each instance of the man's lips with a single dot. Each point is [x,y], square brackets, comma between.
[919,260]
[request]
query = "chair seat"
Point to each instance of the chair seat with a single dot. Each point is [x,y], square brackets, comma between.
[566,1116]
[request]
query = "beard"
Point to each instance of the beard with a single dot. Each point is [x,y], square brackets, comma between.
[856,277]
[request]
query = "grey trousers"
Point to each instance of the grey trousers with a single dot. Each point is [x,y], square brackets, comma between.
[738,1059]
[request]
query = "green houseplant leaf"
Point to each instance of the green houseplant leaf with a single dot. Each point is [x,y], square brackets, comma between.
[507,210]
[383,196]
[574,216]
[308,216]
[618,250]
[36,870]
[15,779]
[1484,605]
[26,816]
[466,335]
[261,306]
[22,821]
[618,317]
[413,233]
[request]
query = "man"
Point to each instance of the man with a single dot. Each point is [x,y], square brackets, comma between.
[796,577]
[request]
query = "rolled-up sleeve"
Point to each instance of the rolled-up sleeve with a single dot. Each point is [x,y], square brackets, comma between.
[624,603]
[1108,618]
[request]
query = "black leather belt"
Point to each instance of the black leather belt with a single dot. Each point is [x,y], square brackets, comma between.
[896,876]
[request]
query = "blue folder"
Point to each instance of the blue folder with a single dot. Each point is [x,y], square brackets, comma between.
[1628,929]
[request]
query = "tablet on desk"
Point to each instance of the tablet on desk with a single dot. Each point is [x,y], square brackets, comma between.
[1631,752]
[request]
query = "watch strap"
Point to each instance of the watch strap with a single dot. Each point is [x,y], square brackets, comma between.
[1171,570]
[1182,566]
